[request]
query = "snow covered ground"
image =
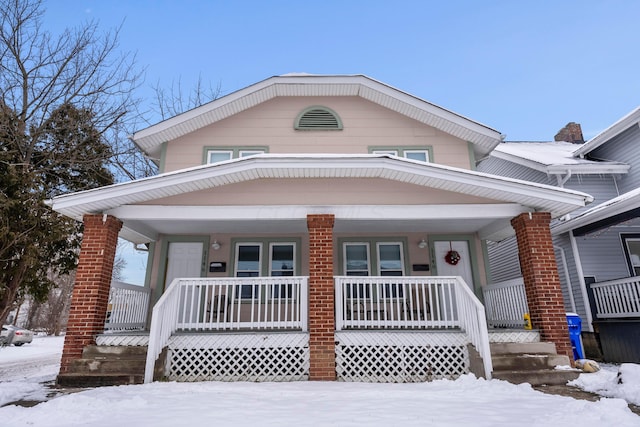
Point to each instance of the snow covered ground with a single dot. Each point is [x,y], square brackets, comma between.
[466,401]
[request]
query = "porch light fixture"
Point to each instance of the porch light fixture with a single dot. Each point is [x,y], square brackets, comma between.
[215,245]
[422,244]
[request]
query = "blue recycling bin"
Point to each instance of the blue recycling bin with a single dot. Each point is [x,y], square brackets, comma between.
[575,328]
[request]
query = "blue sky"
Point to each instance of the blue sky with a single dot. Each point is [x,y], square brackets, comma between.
[524,68]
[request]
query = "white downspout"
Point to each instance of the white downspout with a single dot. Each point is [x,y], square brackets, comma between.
[583,287]
[567,278]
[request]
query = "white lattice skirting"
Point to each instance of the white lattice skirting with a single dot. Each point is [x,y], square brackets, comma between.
[239,357]
[126,339]
[514,335]
[400,356]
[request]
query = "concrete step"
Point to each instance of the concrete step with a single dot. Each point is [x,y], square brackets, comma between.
[108,366]
[523,362]
[523,348]
[114,352]
[538,377]
[97,380]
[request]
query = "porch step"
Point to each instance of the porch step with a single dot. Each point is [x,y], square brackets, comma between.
[81,380]
[537,377]
[106,365]
[534,363]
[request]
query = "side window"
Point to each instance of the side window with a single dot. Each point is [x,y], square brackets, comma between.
[282,261]
[356,259]
[247,153]
[392,152]
[282,264]
[220,154]
[390,260]
[632,251]
[215,156]
[248,257]
[420,155]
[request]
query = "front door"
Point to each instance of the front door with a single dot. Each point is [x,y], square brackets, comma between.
[462,268]
[184,260]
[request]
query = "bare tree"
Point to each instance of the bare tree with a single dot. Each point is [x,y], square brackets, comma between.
[66,104]
[173,101]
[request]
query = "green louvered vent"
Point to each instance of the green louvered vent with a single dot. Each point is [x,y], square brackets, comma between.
[318,119]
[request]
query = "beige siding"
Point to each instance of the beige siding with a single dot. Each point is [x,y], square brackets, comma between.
[320,192]
[271,124]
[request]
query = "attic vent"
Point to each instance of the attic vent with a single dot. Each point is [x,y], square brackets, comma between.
[318,118]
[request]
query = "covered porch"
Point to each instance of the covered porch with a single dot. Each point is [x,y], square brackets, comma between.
[387,282]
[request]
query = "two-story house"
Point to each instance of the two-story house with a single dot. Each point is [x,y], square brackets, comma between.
[316,227]
[597,248]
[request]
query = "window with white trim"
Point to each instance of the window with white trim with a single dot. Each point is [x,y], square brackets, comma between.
[390,259]
[221,154]
[215,156]
[281,262]
[631,243]
[356,259]
[419,154]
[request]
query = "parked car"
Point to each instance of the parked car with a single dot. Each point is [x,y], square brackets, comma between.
[20,335]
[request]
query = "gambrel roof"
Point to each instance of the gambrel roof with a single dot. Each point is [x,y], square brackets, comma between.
[483,138]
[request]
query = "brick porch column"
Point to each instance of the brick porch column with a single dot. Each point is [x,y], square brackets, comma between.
[541,281]
[321,299]
[91,289]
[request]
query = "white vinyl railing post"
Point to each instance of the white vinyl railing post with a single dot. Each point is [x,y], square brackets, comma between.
[473,320]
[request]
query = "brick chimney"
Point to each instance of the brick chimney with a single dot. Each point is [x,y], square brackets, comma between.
[572,133]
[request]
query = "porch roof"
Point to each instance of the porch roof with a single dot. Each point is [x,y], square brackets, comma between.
[611,212]
[483,138]
[143,222]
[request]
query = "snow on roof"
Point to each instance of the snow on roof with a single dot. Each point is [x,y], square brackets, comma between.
[554,157]
[546,153]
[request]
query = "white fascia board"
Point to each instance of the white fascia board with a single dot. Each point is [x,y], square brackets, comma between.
[590,169]
[292,212]
[322,166]
[631,119]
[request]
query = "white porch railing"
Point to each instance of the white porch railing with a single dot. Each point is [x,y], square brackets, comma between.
[208,304]
[617,298]
[412,303]
[506,303]
[128,307]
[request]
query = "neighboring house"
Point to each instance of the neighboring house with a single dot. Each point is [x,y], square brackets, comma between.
[315,227]
[597,248]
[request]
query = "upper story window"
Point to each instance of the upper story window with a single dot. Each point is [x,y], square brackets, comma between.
[220,154]
[421,154]
[318,118]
